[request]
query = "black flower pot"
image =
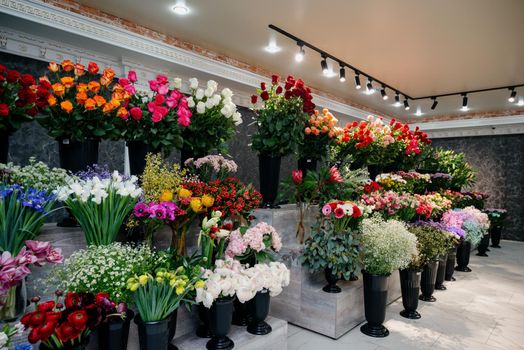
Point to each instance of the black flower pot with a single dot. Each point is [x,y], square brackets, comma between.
[375,297]
[203,330]
[427,281]
[240,313]
[172,329]
[307,164]
[410,287]
[496,234]
[4,146]
[269,169]
[75,156]
[332,280]
[137,151]
[220,317]
[185,154]
[81,346]
[483,246]
[450,265]
[374,170]
[258,309]
[441,272]
[153,335]
[113,335]
[463,252]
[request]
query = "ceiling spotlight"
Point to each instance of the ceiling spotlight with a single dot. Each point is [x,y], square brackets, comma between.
[435,103]
[272,48]
[521,102]
[512,95]
[342,74]
[397,100]
[418,113]
[299,57]
[383,93]
[357,81]
[180,8]
[464,102]
[406,104]
[369,86]
[324,65]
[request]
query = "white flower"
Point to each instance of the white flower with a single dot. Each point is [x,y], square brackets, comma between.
[213,85]
[201,107]
[199,94]
[190,102]
[223,233]
[178,83]
[227,111]
[216,99]
[193,83]
[209,92]
[3,339]
[227,93]
[237,118]
[210,103]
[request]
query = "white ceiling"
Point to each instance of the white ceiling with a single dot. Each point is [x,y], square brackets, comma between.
[421,47]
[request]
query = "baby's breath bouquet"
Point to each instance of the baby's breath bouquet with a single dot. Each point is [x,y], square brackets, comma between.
[104,269]
[37,175]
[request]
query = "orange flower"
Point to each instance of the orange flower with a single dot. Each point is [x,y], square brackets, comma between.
[66,106]
[58,89]
[122,113]
[68,82]
[51,100]
[118,88]
[44,78]
[53,67]
[81,87]
[117,96]
[105,80]
[68,65]
[79,69]
[115,103]
[307,131]
[81,98]
[92,67]
[90,104]
[100,101]
[94,86]
[109,73]
[108,107]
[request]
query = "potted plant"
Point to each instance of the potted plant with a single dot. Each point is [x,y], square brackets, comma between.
[17,105]
[214,122]
[152,122]
[496,219]
[280,127]
[386,247]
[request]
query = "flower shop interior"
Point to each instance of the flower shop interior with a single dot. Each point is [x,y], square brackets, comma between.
[277,175]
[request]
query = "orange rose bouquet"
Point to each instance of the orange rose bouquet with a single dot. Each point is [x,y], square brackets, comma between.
[319,133]
[80,102]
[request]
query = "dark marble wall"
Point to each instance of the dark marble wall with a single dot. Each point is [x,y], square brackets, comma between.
[500,164]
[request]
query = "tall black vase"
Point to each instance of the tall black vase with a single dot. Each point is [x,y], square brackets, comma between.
[441,272]
[240,313]
[4,146]
[332,280]
[463,252]
[496,234]
[77,155]
[307,164]
[258,309]
[427,281]
[483,246]
[374,170]
[220,317]
[269,169]
[375,297]
[153,335]
[450,264]
[137,151]
[171,326]
[410,287]
[203,330]
[113,335]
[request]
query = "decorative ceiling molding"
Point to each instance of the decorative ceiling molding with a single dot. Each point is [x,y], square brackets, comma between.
[475,127]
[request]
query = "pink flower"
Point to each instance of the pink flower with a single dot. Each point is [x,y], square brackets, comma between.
[130,89]
[326,210]
[153,85]
[296,175]
[55,256]
[162,110]
[140,210]
[157,211]
[132,76]
[184,116]
[339,212]
[335,175]
[151,107]
[26,257]
[163,89]
[123,81]
[171,101]
[38,248]
[160,99]
[161,79]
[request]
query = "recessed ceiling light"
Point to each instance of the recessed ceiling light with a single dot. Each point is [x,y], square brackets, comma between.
[180,8]
[272,48]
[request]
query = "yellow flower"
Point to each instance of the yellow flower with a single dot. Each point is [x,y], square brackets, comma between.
[133,286]
[159,280]
[184,193]
[207,200]
[200,284]
[172,282]
[179,290]
[143,279]
[166,196]
[196,205]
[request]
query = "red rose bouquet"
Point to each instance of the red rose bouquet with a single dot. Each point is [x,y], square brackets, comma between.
[17,99]
[63,325]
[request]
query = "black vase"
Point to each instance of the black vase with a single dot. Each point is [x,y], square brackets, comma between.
[153,335]
[113,335]
[410,287]
[137,151]
[374,170]
[220,317]
[269,169]
[441,272]
[375,297]
[203,330]
[4,146]
[77,155]
[463,252]
[307,164]
[240,313]
[483,246]
[258,309]
[332,280]
[427,281]
[496,233]
[450,265]
[185,154]
[172,329]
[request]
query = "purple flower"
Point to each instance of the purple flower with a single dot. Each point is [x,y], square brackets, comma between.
[141,210]
[157,211]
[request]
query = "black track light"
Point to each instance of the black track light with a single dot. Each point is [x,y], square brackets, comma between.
[357,81]
[299,57]
[512,95]
[435,103]
[406,104]
[342,74]
[324,65]
[383,93]
[464,102]
[397,100]
[369,86]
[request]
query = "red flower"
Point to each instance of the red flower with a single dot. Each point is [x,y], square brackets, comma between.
[27,80]
[4,110]
[47,329]
[263,85]
[254,99]
[2,69]
[136,113]
[296,175]
[52,315]
[46,306]
[78,319]
[92,68]
[264,95]
[12,76]
[71,299]
[274,79]
[33,319]
[100,297]
[33,336]
[339,212]
[335,175]
[66,332]
[356,212]
[279,90]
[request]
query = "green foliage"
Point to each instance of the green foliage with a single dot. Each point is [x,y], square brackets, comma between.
[449,162]
[431,242]
[37,175]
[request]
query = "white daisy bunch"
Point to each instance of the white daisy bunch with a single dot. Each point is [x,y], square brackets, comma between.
[37,175]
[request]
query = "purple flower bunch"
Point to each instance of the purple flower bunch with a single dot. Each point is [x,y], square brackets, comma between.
[30,197]
[100,171]
[167,211]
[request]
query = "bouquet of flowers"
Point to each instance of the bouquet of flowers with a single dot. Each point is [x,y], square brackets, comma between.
[449,162]
[320,132]
[474,222]
[403,181]
[273,277]
[22,215]
[212,167]
[215,118]
[454,196]
[161,179]
[439,203]
[79,103]
[496,216]
[155,117]
[392,204]
[154,215]
[63,324]
[17,99]
[392,181]
[475,199]
[101,205]
[344,215]
[212,237]
[432,241]
[281,118]
[255,242]
[37,175]
[8,332]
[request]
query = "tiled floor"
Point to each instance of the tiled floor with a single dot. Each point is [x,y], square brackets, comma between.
[483,309]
